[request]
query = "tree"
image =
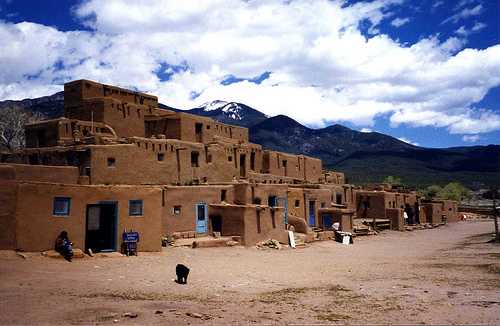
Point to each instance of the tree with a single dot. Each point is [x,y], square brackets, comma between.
[454,191]
[431,192]
[392,180]
[12,121]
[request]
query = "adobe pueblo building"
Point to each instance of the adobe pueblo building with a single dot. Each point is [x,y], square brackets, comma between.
[117,162]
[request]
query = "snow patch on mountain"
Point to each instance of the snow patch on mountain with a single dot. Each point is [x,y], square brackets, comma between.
[214,105]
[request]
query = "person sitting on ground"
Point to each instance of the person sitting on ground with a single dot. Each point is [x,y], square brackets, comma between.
[64,246]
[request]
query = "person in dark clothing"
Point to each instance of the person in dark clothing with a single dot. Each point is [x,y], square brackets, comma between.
[417,213]
[64,246]
[409,212]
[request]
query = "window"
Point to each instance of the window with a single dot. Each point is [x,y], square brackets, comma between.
[161,157]
[135,207]
[223,193]
[62,206]
[271,201]
[297,203]
[111,162]
[323,205]
[230,158]
[177,210]
[194,159]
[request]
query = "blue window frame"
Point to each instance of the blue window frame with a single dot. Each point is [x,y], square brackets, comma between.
[135,207]
[62,206]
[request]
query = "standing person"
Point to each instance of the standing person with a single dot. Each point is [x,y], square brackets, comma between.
[409,212]
[417,213]
[64,246]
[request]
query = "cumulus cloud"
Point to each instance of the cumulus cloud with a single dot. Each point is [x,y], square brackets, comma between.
[322,67]
[398,22]
[406,140]
[471,138]
[366,130]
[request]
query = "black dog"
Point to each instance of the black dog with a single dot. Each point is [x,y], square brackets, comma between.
[182,273]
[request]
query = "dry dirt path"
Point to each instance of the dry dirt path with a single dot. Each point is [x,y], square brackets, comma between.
[447,275]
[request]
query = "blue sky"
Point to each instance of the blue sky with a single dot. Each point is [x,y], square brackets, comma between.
[424,71]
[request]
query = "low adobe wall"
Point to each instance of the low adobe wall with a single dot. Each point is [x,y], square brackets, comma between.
[37,227]
[186,198]
[40,173]
[253,223]
[8,201]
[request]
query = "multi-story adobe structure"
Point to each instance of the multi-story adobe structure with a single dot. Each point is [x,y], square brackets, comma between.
[116,162]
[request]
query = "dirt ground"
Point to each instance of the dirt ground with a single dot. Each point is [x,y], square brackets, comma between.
[447,275]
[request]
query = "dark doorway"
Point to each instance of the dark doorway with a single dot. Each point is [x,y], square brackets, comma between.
[338,198]
[41,138]
[216,223]
[101,225]
[198,128]
[312,213]
[243,167]
[252,161]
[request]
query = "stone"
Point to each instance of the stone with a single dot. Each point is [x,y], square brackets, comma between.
[194,314]
[130,315]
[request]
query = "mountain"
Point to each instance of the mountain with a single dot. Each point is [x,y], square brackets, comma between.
[50,106]
[364,157]
[370,157]
[230,113]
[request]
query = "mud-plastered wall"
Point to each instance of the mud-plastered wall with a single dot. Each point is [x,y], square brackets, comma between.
[37,227]
[179,211]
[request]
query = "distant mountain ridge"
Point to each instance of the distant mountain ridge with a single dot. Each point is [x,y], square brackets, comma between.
[364,157]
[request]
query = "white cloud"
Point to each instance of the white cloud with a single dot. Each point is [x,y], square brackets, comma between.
[366,130]
[464,32]
[406,140]
[478,26]
[464,14]
[323,69]
[471,138]
[437,4]
[398,22]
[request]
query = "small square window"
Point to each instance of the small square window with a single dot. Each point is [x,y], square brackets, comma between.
[111,162]
[230,158]
[62,206]
[177,210]
[161,157]
[297,203]
[323,205]
[135,207]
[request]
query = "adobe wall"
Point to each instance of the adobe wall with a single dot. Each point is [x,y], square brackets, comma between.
[139,163]
[269,178]
[252,223]
[8,202]
[321,199]
[433,212]
[43,173]
[193,128]
[43,134]
[297,167]
[186,198]
[78,90]
[37,228]
[333,177]
[450,210]
[376,201]
[296,202]
[245,193]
